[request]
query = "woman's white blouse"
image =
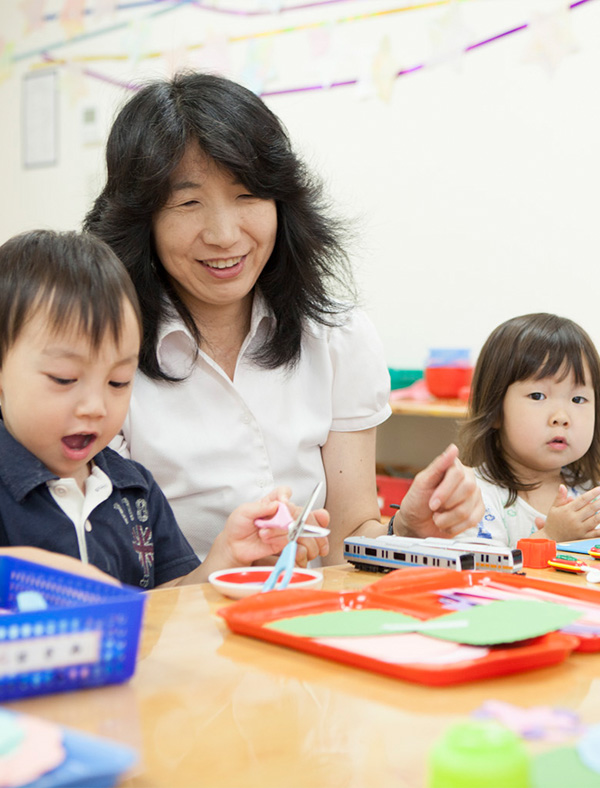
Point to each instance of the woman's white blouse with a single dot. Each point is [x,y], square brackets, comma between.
[212,443]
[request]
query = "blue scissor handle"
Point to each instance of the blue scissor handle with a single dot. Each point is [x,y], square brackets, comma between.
[287,560]
[285,565]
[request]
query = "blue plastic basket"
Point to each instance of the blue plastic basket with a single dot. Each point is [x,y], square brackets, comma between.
[87,636]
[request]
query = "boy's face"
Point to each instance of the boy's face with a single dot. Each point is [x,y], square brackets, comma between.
[61,399]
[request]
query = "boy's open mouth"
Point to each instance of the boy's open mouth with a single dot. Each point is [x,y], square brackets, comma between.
[79,441]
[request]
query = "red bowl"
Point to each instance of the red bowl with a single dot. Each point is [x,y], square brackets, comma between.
[446,382]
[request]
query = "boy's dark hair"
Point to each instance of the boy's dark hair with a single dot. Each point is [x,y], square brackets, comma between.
[74,278]
[534,346]
[234,128]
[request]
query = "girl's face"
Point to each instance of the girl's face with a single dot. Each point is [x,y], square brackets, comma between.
[213,237]
[547,424]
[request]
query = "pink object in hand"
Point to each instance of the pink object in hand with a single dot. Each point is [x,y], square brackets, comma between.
[281,519]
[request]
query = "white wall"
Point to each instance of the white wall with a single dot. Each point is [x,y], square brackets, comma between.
[473,186]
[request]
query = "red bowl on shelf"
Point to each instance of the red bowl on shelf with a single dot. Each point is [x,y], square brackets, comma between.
[446,382]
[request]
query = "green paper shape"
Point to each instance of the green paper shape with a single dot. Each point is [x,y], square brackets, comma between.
[560,767]
[344,623]
[504,621]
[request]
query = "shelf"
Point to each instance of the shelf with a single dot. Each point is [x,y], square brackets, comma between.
[441,408]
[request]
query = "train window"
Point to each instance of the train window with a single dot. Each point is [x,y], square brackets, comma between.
[400,556]
[425,559]
[371,551]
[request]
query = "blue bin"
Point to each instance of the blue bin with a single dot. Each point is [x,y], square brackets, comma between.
[87,636]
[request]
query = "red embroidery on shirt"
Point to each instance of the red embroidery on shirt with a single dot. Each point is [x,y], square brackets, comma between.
[141,539]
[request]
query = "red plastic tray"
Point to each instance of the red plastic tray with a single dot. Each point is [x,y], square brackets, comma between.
[417,588]
[406,591]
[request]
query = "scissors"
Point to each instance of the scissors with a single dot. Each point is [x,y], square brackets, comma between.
[287,560]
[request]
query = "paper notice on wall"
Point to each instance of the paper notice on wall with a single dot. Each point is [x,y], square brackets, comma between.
[40,121]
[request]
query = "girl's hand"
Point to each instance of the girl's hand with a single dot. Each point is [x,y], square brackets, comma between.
[571,518]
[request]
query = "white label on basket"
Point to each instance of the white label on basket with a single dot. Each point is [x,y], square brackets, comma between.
[31,654]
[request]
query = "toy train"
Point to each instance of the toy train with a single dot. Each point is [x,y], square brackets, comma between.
[385,553]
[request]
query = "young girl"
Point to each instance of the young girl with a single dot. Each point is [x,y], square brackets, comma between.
[533,431]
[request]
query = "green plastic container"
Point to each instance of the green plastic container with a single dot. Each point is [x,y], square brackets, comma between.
[401,378]
[479,755]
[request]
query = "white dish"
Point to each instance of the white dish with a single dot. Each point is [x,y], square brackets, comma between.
[248,580]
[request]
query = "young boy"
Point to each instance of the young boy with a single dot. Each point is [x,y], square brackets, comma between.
[70,331]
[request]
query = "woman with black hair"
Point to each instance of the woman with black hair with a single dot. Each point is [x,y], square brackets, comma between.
[256,369]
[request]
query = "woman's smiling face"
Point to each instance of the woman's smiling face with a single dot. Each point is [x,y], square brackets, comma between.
[213,237]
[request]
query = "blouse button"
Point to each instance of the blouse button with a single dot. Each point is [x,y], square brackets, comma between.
[88,526]
[60,489]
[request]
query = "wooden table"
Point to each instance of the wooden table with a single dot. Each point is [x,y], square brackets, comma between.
[211,709]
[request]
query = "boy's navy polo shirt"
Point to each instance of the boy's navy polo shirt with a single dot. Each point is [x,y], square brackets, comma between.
[134,535]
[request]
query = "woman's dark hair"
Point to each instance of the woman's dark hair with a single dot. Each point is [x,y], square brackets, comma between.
[235,129]
[73,278]
[531,346]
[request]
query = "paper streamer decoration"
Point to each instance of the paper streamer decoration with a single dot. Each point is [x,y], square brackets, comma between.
[42,52]
[71,17]
[551,39]
[34,14]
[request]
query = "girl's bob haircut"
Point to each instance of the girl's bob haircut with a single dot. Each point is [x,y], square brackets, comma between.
[74,279]
[533,346]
